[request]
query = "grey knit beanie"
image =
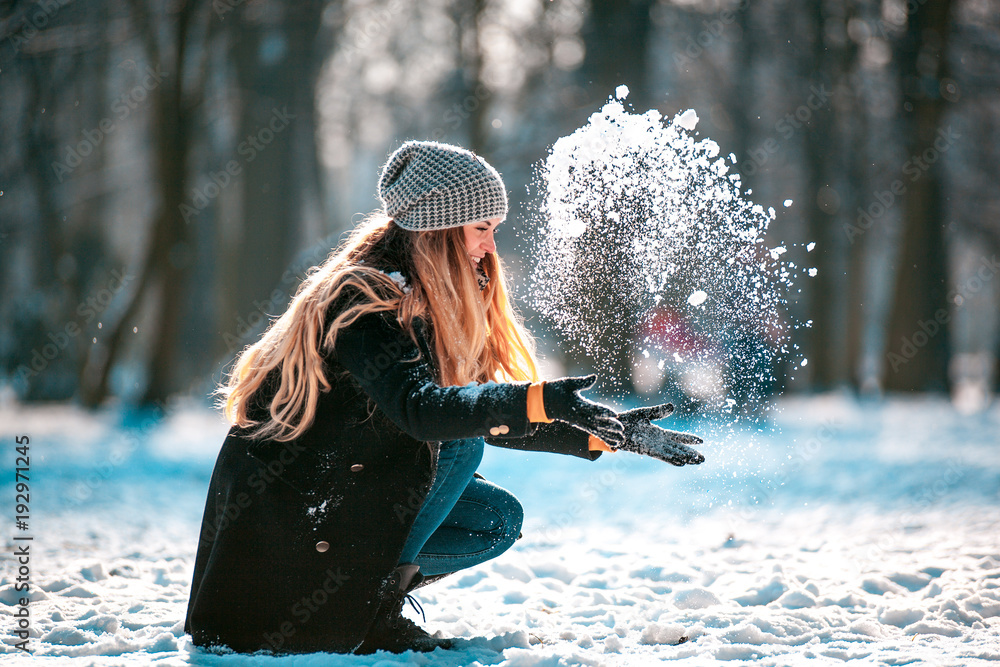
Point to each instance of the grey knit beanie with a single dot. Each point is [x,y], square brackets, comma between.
[428,185]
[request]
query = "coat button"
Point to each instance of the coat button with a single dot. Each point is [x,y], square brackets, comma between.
[494,431]
[504,429]
[322,546]
[357,467]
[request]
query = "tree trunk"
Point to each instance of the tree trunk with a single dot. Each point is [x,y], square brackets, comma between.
[827,191]
[917,346]
[616,37]
[742,85]
[163,265]
[858,311]
[65,248]
[276,68]
[174,122]
[471,94]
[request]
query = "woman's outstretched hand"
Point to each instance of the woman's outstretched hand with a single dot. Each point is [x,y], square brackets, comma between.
[564,403]
[642,437]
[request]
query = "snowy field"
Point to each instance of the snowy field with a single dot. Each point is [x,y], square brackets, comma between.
[859,534]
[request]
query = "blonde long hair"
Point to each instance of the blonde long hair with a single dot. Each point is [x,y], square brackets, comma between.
[477,335]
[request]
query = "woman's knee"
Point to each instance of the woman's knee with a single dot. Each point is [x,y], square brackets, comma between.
[507,504]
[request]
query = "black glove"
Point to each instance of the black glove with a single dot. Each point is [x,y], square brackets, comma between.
[563,402]
[642,437]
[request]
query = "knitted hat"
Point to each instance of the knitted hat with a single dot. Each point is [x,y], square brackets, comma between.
[428,185]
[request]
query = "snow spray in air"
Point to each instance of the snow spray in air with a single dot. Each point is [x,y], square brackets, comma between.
[654,263]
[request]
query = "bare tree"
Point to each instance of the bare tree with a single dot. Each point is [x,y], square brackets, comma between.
[174,103]
[616,37]
[828,188]
[917,345]
[277,58]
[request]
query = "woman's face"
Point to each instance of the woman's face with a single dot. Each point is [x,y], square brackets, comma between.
[479,239]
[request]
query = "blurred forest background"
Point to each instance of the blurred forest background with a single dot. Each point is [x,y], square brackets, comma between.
[170,168]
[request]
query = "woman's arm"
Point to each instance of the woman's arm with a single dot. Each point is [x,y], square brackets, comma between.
[555,437]
[383,360]
[388,366]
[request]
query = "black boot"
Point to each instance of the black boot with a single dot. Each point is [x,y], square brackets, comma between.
[427,581]
[393,632]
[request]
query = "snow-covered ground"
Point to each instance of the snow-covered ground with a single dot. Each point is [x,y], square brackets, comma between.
[853,534]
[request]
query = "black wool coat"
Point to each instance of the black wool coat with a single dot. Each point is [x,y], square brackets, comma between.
[298,538]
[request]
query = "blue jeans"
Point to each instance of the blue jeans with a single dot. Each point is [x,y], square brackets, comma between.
[464,520]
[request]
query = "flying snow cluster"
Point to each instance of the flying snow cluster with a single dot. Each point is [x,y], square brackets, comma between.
[649,250]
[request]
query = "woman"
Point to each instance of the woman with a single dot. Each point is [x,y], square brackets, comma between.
[360,417]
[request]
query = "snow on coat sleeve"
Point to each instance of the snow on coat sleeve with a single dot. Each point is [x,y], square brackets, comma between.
[387,365]
[556,437]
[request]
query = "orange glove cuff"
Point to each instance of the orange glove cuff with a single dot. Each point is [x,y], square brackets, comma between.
[536,404]
[595,444]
